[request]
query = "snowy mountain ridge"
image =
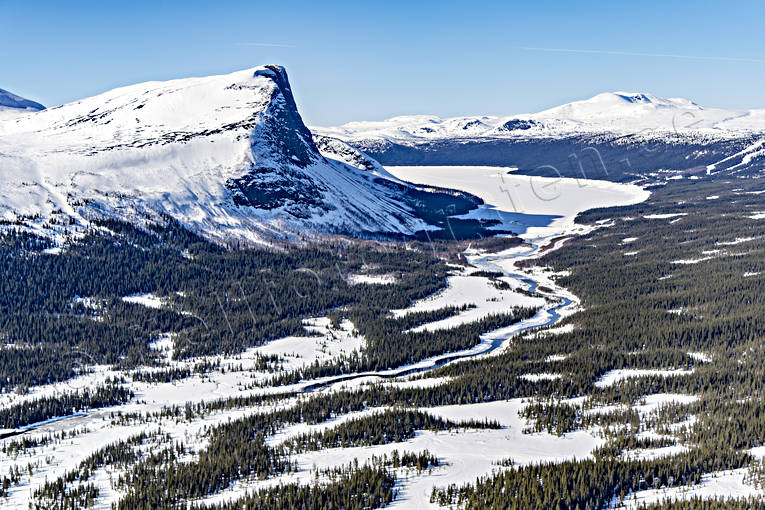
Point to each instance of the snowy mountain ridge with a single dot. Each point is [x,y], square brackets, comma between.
[227,155]
[618,136]
[609,112]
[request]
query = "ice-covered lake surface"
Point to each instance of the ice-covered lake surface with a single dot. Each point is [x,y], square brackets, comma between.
[541,209]
[528,205]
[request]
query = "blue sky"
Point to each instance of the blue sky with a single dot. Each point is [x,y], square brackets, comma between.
[373,60]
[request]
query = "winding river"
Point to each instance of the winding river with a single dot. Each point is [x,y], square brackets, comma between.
[490,342]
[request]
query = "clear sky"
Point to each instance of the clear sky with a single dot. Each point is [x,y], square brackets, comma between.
[360,60]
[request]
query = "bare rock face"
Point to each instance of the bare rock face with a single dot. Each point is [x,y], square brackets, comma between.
[276,179]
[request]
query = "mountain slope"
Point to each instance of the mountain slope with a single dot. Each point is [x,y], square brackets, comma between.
[632,134]
[11,105]
[226,155]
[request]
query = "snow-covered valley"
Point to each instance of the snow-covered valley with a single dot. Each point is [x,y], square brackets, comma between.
[218,390]
[239,375]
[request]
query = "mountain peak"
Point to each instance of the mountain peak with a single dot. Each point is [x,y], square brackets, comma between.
[634,97]
[282,126]
[227,155]
[611,102]
[645,98]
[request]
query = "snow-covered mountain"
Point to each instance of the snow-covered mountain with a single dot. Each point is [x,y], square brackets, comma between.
[629,135]
[11,104]
[610,112]
[226,155]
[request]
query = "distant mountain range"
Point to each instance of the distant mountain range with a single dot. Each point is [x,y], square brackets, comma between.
[614,135]
[610,112]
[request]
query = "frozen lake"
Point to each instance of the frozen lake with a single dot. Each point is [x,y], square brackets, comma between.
[528,205]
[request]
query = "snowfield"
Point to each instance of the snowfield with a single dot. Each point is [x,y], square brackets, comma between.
[544,376]
[614,376]
[147,300]
[384,279]
[686,262]
[727,484]
[736,241]
[470,290]
[466,454]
